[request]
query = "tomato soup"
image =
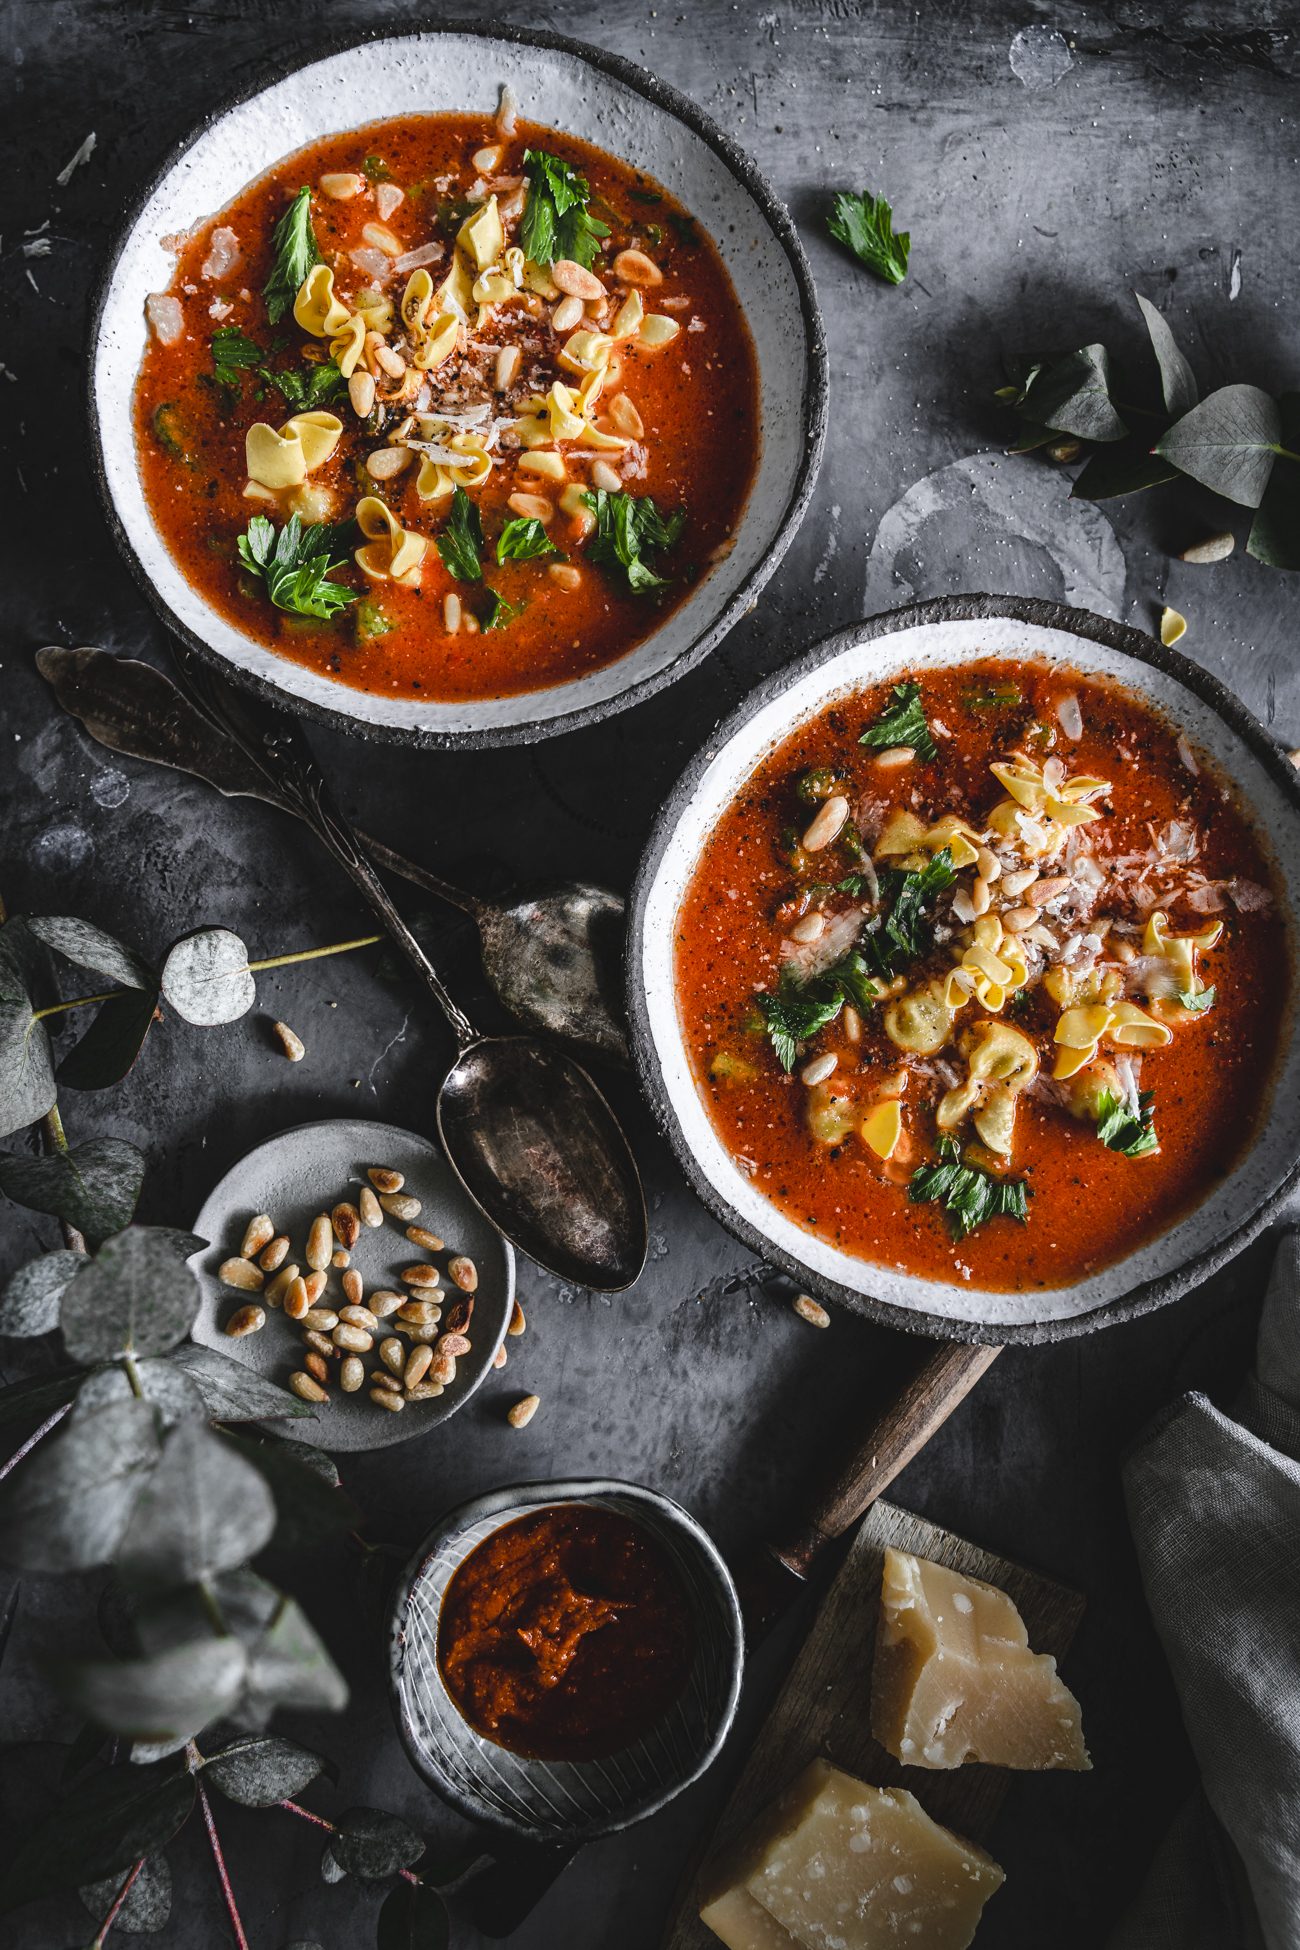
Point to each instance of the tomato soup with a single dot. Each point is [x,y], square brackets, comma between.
[982,976]
[446,412]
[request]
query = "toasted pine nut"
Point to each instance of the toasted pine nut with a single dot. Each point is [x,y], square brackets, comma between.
[386,1398]
[323,1319]
[565,575]
[1014,884]
[507,367]
[487,161]
[306,1389]
[1043,891]
[320,1343]
[385,1180]
[420,1276]
[368,1206]
[523,1411]
[1216,549]
[320,1244]
[346,1221]
[316,1366]
[500,1358]
[354,1287]
[606,477]
[243,1274]
[382,1379]
[361,393]
[518,1324]
[418,1363]
[990,867]
[459,1315]
[416,1334]
[819,1069]
[341,184]
[566,314]
[246,1320]
[275,1254]
[386,463]
[1124,951]
[355,1339]
[811,928]
[380,238]
[425,1391]
[293,1046]
[359,1317]
[455,1344]
[852,1024]
[895,758]
[464,1272]
[451,612]
[826,826]
[544,461]
[421,1236]
[634,267]
[395,366]
[296,1303]
[443,1369]
[421,1313]
[258,1233]
[533,507]
[279,1286]
[384,1302]
[810,1310]
[571,278]
[351,1374]
[979,894]
[624,417]
[392,1354]
[399,1205]
[340,1259]
[1016,919]
[315,1284]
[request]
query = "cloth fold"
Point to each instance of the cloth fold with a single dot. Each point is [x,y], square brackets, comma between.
[1214,1506]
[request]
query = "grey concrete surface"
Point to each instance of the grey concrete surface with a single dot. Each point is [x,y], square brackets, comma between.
[1046,162]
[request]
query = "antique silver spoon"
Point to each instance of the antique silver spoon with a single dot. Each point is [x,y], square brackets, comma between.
[523,1126]
[553,957]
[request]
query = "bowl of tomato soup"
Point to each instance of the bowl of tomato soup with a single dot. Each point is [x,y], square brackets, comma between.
[458,387]
[566,1657]
[961,971]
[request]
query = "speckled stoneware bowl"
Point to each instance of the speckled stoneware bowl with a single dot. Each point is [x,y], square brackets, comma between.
[566,86]
[955,630]
[564,1802]
[308,1170]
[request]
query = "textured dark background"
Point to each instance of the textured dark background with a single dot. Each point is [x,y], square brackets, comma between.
[1163,157]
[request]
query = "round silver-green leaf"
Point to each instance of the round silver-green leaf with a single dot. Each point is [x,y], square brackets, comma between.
[68,1507]
[89,947]
[1229,443]
[94,1186]
[30,1302]
[136,1297]
[204,1510]
[232,1392]
[261,1769]
[148,1901]
[167,1696]
[206,978]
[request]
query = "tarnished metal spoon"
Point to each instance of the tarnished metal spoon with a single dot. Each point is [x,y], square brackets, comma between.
[523,1126]
[553,957]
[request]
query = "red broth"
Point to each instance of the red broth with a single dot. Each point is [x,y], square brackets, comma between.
[1168,838]
[695,399]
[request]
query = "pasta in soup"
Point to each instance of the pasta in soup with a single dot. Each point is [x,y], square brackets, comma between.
[441,411]
[983,975]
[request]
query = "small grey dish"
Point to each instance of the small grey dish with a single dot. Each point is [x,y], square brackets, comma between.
[565,85]
[549,1801]
[308,1170]
[905,643]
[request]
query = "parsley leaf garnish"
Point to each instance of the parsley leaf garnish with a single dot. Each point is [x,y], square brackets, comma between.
[866,224]
[627,526]
[295,564]
[1197,1000]
[523,539]
[233,354]
[293,251]
[461,542]
[970,1197]
[902,723]
[900,933]
[309,387]
[556,222]
[992,697]
[799,1009]
[501,612]
[1120,1128]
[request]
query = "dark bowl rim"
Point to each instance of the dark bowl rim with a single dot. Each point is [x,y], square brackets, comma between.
[813,403]
[1143,650]
[538,1493]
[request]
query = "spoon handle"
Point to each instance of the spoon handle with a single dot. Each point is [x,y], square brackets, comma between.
[275,744]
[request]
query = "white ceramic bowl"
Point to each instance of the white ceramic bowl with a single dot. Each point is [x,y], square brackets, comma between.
[563,85]
[956,630]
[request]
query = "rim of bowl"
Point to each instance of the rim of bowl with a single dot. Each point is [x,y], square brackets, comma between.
[539,1495]
[813,403]
[1143,1298]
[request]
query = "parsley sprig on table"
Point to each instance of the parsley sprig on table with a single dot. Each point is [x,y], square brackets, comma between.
[296,566]
[969,1197]
[1121,1128]
[628,527]
[556,222]
[293,253]
[865,224]
[902,723]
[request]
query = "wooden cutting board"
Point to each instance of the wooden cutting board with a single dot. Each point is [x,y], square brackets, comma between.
[824,1706]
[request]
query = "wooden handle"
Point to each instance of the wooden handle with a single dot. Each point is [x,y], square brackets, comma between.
[943,1380]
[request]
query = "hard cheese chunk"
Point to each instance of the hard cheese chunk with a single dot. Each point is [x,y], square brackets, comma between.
[838,1865]
[954,1679]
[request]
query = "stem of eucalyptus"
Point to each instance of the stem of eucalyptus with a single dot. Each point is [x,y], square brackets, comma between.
[50,1422]
[319,1821]
[272,961]
[227,1890]
[118,1901]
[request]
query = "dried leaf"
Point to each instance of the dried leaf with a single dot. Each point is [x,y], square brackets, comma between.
[413,1917]
[29,1303]
[27,1087]
[149,1900]
[261,1769]
[67,1508]
[94,1186]
[206,978]
[111,1045]
[204,1510]
[371,1844]
[1228,443]
[232,1392]
[166,1696]
[87,946]
[100,1828]
[136,1297]
[1074,396]
[1177,380]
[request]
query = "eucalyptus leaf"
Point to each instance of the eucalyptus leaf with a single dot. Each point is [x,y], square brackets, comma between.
[29,1400]
[1177,380]
[29,1303]
[206,978]
[100,1828]
[67,1508]
[160,1621]
[94,1186]
[89,947]
[1228,443]
[1074,396]
[203,1510]
[310,1509]
[413,1917]
[1030,438]
[166,1387]
[143,1753]
[1275,531]
[290,1666]
[164,1696]
[111,1045]
[371,1844]
[27,1089]
[232,1392]
[1126,468]
[261,1769]
[136,1297]
[148,1902]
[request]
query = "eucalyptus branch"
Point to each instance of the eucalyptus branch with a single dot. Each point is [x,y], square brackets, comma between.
[50,1422]
[118,1901]
[223,1874]
[254,967]
[320,1821]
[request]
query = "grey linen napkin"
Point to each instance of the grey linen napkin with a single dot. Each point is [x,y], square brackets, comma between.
[1214,1505]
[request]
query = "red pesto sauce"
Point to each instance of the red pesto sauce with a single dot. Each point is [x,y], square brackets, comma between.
[566,1634]
[697,397]
[1088,1206]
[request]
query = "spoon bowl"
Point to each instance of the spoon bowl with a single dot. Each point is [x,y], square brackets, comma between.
[537,1147]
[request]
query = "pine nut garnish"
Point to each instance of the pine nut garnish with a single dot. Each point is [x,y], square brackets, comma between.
[459,1315]
[293,1046]
[1014,884]
[811,1310]
[382,1379]
[275,1254]
[425,1391]
[421,1276]
[385,1180]
[827,825]
[359,1317]
[851,1023]
[565,575]
[894,759]
[399,1205]
[979,895]
[355,1339]
[417,1334]
[418,1363]
[624,418]
[1216,549]
[341,184]
[572,279]
[523,1411]
[296,1302]
[634,267]
[567,314]
[280,1285]
[339,1259]
[246,1320]
[500,1358]
[518,1324]
[320,1344]
[531,507]
[1016,919]
[989,865]
[487,161]
[819,1069]
[260,1232]
[454,1344]
[393,1355]
[464,1272]
[346,1221]
[351,1374]
[507,367]
[421,1236]
[320,1244]
[606,477]
[421,1313]
[368,1206]
[323,1319]
[811,928]
[443,1369]
[316,1284]
[354,1289]
[385,1302]
[361,393]
[386,463]
[388,1398]
[241,1273]
[306,1389]
[317,1366]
